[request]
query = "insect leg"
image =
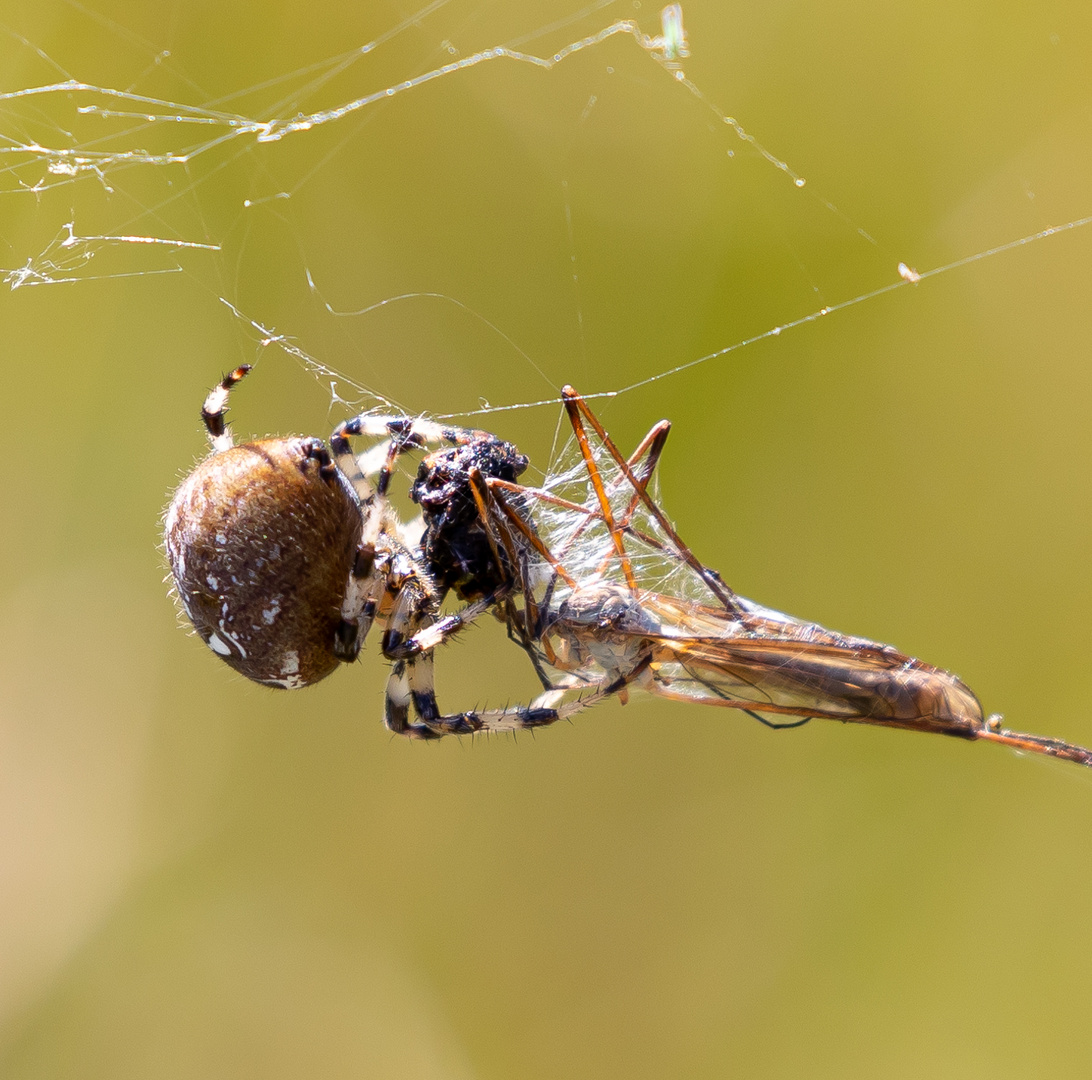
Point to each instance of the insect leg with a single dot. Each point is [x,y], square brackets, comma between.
[643,461]
[653,442]
[536,661]
[777,727]
[526,531]
[577,408]
[571,407]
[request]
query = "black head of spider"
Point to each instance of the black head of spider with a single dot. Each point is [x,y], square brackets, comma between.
[442,487]
[261,539]
[455,545]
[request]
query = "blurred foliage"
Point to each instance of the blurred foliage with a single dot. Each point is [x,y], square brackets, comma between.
[203,878]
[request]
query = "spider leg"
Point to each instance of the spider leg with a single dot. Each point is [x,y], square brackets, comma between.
[342,450]
[215,406]
[397,646]
[411,682]
[403,433]
[387,569]
[367,583]
[373,500]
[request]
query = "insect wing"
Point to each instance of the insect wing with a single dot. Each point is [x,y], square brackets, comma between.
[777,666]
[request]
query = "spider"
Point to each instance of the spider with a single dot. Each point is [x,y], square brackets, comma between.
[285,553]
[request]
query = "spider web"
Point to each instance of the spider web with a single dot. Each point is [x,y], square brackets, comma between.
[458,207]
[146,153]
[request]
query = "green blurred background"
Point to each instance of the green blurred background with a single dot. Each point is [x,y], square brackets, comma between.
[203,878]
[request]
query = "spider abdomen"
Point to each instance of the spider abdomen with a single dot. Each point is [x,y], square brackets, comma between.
[261,539]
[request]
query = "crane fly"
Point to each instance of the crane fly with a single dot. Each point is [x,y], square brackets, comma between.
[612,599]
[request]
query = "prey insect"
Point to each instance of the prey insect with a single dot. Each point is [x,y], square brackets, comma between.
[285,554]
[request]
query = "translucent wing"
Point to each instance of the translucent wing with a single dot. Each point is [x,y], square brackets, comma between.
[772,664]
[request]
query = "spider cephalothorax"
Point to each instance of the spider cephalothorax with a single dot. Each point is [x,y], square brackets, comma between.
[456,547]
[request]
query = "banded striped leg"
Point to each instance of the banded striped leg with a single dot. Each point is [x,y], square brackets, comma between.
[390,568]
[367,584]
[397,645]
[410,640]
[402,433]
[411,683]
[368,580]
[215,406]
